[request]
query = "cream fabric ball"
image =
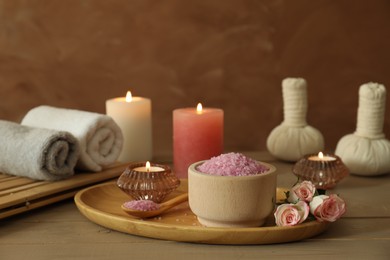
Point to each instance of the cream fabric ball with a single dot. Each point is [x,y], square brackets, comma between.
[364,156]
[291,143]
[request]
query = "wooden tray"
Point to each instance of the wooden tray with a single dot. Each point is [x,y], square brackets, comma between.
[102,204]
[19,194]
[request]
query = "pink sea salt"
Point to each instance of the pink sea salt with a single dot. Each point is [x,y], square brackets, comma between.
[142,205]
[232,164]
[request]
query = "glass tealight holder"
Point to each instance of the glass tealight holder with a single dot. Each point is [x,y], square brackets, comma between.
[324,172]
[142,184]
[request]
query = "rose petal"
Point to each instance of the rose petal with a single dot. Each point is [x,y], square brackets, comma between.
[291,214]
[331,208]
[302,191]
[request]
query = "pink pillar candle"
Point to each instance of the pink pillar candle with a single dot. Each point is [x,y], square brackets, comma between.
[197,135]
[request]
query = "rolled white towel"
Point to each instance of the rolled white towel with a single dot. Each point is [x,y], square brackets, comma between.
[37,153]
[100,138]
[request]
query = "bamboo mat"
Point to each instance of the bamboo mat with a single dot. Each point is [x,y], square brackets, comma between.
[19,194]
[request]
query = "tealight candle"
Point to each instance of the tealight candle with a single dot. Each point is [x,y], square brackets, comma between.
[148,181]
[197,136]
[324,171]
[149,168]
[134,117]
[321,157]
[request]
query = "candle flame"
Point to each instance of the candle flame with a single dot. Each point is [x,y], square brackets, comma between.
[147,166]
[129,97]
[199,108]
[320,155]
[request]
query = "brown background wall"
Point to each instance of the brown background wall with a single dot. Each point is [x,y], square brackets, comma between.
[227,54]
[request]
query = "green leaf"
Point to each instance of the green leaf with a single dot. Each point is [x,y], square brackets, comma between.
[321,192]
[287,194]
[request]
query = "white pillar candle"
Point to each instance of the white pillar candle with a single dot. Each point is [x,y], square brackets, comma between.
[134,116]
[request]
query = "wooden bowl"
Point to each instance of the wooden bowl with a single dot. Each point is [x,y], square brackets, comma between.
[231,201]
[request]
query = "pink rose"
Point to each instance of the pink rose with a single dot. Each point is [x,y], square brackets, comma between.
[327,208]
[303,191]
[291,214]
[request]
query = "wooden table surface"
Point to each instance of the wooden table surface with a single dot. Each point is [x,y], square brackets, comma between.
[60,231]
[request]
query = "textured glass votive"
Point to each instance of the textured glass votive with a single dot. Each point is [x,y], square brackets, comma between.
[324,172]
[153,184]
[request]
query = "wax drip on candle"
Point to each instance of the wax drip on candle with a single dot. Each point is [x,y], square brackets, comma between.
[129,97]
